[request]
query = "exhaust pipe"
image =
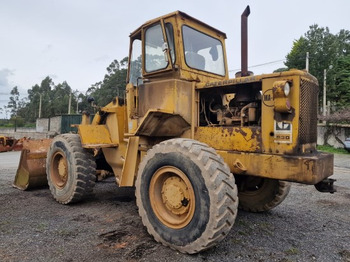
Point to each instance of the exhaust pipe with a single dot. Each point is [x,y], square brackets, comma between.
[244,42]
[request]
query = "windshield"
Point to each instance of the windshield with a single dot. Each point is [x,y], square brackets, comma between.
[203,52]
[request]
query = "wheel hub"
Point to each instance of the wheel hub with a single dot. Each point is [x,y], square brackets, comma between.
[172,197]
[59,170]
[62,169]
[175,195]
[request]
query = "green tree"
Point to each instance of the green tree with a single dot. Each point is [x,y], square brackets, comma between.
[22,109]
[296,57]
[281,69]
[60,97]
[113,84]
[339,93]
[41,92]
[325,49]
[13,104]
[55,98]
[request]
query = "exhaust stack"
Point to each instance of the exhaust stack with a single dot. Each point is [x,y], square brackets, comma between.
[244,42]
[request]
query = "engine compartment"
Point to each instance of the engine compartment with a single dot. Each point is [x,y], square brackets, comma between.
[237,105]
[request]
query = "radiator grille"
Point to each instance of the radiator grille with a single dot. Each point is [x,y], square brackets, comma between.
[308,112]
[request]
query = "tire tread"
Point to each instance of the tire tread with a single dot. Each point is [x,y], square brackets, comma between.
[83,166]
[222,192]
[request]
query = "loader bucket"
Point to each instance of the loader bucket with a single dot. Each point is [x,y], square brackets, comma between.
[31,170]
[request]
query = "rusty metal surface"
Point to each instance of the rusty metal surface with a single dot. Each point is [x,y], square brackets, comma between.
[8,144]
[275,141]
[244,139]
[19,144]
[31,170]
[37,145]
[95,136]
[307,169]
[173,96]
[131,162]
[162,124]
[255,78]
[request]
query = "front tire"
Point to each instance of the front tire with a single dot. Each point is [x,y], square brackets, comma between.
[258,194]
[70,169]
[186,195]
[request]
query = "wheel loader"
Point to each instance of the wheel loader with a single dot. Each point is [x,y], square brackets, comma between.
[196,144]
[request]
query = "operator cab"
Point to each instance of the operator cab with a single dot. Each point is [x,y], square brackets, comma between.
[177,46]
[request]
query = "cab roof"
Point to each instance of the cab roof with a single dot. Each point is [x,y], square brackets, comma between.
[178,14]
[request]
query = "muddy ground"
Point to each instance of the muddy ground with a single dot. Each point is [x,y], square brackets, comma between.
[307,226]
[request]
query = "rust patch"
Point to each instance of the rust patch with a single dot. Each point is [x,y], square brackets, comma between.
[31,170]
[232,81]
[227,131]
[255,134]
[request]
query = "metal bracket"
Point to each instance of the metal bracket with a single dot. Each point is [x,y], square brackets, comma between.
[326,186]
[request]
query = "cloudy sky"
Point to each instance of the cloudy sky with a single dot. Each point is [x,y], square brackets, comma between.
[75,40]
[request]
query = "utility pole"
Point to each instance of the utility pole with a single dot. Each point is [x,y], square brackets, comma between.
[77,112]
[16,121]
[324,111]
[40,106]
[70,102]
[307,62]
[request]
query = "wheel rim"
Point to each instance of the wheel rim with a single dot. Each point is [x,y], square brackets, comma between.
[172,197]
[59,170]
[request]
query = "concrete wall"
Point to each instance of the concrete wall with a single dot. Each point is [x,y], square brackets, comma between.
[42,124]
[23,132]
[332,135]
[45,128]
[55,124]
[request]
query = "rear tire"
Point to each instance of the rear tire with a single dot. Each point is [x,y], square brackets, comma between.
[70,169]
[186,195]
[258,194]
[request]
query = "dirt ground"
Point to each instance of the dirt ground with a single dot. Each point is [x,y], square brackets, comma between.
[307,226]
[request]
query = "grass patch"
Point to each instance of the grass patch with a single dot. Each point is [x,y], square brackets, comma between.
[333,150]
[242,233]
[292,251]
[42,227]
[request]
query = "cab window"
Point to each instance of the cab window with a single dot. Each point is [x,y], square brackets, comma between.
[202,51]
[155,47]
[135,74]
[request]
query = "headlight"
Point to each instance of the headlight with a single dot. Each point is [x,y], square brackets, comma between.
[281,90]
[286,89]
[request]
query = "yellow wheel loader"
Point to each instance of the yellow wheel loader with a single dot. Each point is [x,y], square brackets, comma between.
[196,144]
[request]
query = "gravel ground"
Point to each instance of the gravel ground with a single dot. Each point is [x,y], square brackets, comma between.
[307,226]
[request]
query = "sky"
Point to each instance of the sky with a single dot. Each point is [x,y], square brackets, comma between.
[75,40]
